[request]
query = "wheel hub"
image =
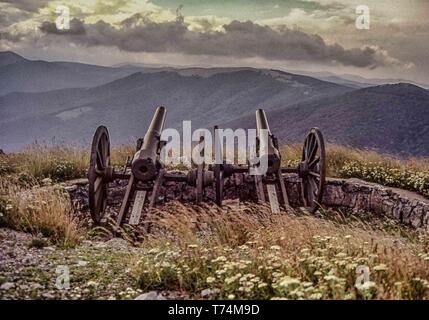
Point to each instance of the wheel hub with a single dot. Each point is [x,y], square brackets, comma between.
[303,169]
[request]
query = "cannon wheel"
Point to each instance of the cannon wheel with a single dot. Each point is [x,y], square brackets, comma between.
[313,170]
[218,176]
[99,161]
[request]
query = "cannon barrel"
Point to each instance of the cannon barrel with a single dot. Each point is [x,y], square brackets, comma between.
[145,164]
[267,147]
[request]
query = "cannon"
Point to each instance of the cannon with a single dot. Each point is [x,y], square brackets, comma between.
[145,171]
[311,170]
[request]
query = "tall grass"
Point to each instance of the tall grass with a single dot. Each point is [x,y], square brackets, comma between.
[338,156]
[57,162]
[347,162]
[247,253]
[46,211]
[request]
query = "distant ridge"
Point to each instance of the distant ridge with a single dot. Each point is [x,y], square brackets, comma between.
[355,81]
[18,74]
[9,57]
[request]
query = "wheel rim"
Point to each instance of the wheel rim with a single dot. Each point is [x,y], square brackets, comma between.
[99,162]
[218,172]
[313,170]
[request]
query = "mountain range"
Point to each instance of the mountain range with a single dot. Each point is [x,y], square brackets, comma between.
[65,102]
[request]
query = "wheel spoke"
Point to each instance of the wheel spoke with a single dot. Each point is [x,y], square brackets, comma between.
[308,147]
[310,194]
[313,150]
[100,164]
[97,184]
[314,174]
[99,197]
[315,186]
[105,149]
[314,162]
[97,192]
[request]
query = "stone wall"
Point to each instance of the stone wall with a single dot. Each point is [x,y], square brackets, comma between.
[356,195]
[408,207]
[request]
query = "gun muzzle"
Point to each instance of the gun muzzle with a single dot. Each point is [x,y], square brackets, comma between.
[267,147]
[146,164]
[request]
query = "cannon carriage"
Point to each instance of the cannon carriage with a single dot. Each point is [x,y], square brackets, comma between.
[145,172]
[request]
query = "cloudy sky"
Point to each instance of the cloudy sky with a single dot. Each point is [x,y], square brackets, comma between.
[312,35]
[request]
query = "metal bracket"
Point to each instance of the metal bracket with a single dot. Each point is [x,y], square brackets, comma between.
[138,204]
[260,188]
[126,201]
[272,196]
[156,188]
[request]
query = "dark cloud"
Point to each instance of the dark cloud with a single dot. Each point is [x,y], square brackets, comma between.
[10,37]
[239,40]
[76,28]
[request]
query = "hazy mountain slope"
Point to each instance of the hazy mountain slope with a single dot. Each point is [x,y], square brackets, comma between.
[331,77]
[20,75]
[355,81]
[126,105]
[390,118]
[9,57]
[381,81]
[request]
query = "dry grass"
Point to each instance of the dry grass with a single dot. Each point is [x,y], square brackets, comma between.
[120,154]
[346,162]
[247,252]
[57,162]
[338,156]
[46,211]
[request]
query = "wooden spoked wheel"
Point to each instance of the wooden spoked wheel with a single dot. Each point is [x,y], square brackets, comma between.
[218,177]
[98,165]
[312,170]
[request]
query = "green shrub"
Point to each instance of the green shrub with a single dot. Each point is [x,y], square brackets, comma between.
[38,243]
[65,170]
